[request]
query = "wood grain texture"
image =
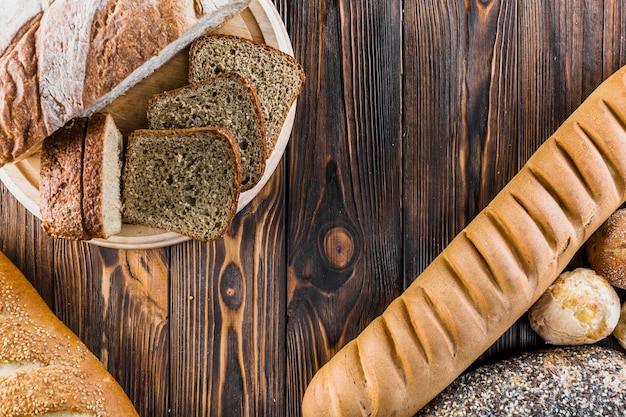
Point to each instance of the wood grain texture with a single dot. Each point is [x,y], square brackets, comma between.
[496,79]
[414,115]
[227,315]
[344,223]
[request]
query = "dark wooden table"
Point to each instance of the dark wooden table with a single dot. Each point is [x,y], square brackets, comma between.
[414,115]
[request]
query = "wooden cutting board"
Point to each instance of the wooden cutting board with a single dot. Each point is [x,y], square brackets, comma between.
[261,23]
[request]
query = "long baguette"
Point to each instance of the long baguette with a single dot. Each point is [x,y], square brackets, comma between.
[490,274]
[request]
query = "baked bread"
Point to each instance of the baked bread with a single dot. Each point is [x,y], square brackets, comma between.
[227,100]
[490,274]
[61,182]
[67,58]
[79,179]
[277,77]
[102,169]
[182,180]
[573,381]
[580,307]
[44,367]
[606,249]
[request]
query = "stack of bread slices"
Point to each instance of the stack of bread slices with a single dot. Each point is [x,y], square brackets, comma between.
[205,143]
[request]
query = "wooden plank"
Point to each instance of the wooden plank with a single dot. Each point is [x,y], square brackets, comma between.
[116,302]
[344,219]
[228,316]
[496,79]
[25,243]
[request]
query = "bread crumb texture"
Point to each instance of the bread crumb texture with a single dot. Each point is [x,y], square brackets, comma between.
[185,181]
[572,381]
[277,77]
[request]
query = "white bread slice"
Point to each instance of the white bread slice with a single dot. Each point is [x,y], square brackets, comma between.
[102,168]
[67,58]
[182,180]
[44,367]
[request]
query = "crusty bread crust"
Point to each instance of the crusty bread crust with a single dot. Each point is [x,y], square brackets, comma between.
[61,186]
[490,274]
[73,57]
[63,375]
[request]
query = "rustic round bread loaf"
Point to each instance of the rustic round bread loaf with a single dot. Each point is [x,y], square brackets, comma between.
[606,249]
[67,58]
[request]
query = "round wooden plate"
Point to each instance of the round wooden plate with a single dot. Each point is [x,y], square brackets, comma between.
[259,22]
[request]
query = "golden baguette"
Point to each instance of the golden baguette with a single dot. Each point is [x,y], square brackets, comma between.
[489,275]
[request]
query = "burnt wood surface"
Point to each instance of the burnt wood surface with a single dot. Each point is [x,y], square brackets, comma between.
[414,115]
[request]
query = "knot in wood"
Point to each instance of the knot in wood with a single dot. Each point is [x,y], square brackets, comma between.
[338,247]
[232,287]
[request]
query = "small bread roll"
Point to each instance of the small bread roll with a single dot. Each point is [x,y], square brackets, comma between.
[580,307]
[620,329]
[606,249]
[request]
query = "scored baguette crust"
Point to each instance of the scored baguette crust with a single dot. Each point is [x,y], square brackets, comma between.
[69,58]
[61,373]
[489,275]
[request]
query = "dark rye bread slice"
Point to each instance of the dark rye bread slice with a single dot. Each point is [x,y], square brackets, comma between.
[277,77]
[227,100]
[61,181]
[183,180]
[102,168]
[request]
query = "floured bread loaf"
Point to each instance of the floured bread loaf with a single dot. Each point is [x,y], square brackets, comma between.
[490,274]
[227,100]
[182,180]
[277,77]
[67,58]
[79,179]
[44,368]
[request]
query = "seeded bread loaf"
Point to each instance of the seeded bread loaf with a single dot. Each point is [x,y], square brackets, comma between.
[573,381]
[44,368]
[277,77]
[61,182]
[102,168]
[67,58]
[183,180]
[490,274]
[227,100]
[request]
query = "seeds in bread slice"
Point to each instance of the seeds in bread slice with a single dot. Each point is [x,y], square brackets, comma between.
[102,166]
[60,186]
[183,180]
[227,100]
[277,77]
